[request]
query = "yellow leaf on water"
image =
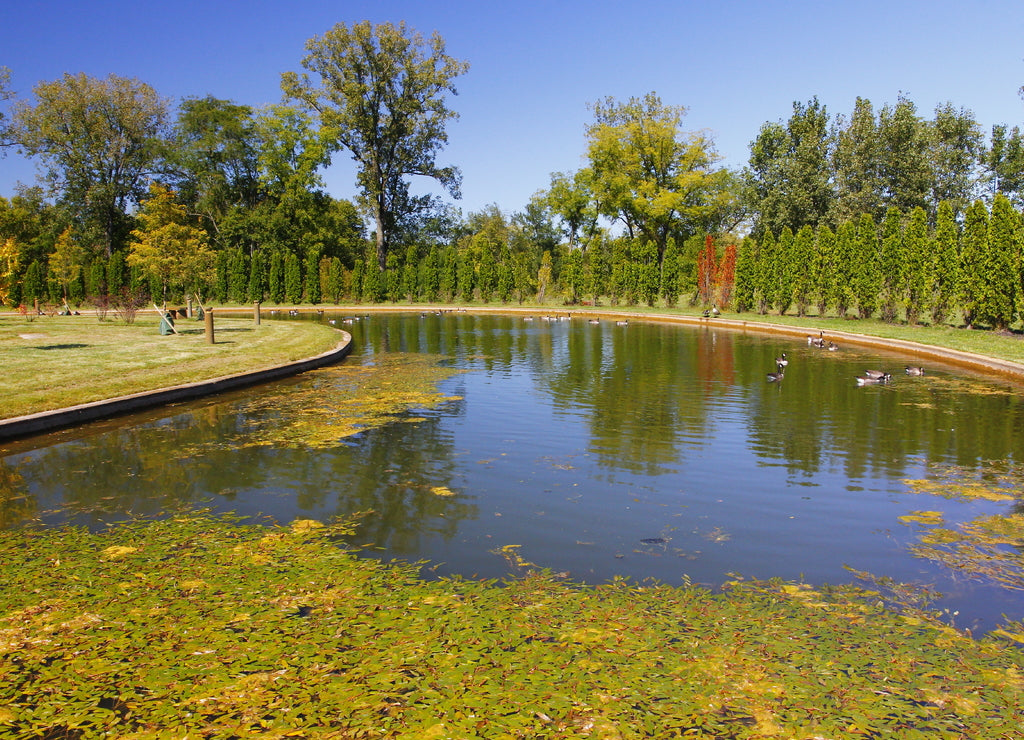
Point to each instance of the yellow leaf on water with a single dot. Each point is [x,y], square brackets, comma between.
[442,491]
[923,517]
[116,552]
[304,525]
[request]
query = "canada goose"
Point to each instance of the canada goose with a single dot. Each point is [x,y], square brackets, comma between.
[874,374]
[874,381]
[818,341]
[714,310]
[911,370]
[781,361]
[622,323]
[593,321]
[832,347]
[776,377]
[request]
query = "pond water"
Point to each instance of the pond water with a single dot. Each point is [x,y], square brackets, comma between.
[647,451]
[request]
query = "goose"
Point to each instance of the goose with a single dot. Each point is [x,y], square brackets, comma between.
[912,370]
[622,323]
[593,321]
[714,310]
[776,377]
[818,341]
[832,347]
[874,374]
[781,361]
[873,381]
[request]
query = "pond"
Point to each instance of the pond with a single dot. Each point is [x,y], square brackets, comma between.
[597,450]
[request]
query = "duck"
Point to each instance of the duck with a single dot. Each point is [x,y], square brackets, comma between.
[781,361]
[913,370]
[776,377]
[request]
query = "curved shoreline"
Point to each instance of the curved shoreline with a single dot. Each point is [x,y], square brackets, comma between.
[48,421]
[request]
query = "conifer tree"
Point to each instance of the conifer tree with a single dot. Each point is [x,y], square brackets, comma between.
[973,245]
[312,275]
[867,278]
[256,279]
[238,276]
[487,275]
[669,287]
[292,278]
[429,276]
[466,275]
[222,276]
[358,278]
[1001,266]
[766,276]
[117,269]
[785,271]
[746,273]
[275,277]
[572,276]
[410,274]
[892,261]
[393,278]
[917,266]
[373,282]
[335,280]
[943,268]
[801,263]
[506,275]
[823,268]
[448,283]
[845,267]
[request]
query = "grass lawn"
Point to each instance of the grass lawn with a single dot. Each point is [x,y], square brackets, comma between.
[60,361]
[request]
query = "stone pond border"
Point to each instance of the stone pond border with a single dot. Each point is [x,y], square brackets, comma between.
[46,421]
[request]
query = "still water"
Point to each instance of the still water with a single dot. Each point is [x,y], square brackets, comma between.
[649,451]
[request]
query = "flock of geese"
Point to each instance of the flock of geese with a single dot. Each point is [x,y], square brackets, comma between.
[870,377]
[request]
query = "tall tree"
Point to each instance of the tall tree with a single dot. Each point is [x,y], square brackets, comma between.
[905,167]
[973,245]
[1004,163]
[892,263]
[653,177]
[867,276]
[1001,271]
[956,148]
[918,267]
[788,173]
[380,93]
[99,140]
[943,271]
[856,165]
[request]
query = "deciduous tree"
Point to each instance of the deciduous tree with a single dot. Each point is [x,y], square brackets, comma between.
[379,92]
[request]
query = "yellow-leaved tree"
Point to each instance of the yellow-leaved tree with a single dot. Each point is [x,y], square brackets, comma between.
[174,255]
[10,261]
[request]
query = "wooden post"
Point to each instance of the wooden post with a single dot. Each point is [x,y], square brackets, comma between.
[209,325]
[189,308]
[256,312]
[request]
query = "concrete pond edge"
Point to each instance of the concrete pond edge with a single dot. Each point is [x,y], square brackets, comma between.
[48,421]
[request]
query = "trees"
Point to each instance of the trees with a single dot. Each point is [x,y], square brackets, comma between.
[379,92]
[99,140]
[788,175]
[651,176]
[174,254]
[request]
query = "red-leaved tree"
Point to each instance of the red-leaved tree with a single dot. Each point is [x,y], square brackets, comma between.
[706,269]
[725,276]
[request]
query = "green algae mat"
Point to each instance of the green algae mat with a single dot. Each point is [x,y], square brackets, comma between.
[200,626]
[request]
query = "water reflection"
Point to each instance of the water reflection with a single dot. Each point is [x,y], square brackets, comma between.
[645,451]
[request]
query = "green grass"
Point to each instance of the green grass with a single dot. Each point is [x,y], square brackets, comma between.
[60,361]
[199,627]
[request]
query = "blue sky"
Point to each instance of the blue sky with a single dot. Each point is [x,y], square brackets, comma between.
[535,66]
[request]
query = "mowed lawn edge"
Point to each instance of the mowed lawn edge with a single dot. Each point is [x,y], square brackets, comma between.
[58,362]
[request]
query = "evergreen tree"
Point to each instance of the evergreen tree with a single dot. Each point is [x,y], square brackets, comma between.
[335,280]
[801,267]
[292,279]
[846,267]
[669,288]
[1001,266]
[785,271]
[393,278]
[117,273]
[373,283]
[824,269]
[943,268]
[449,274]
[222,278]
[973,245]
[619,279]
[746,275]
[32,288]
[466,275]
[410,274]
[238,277]
[256,279]
[506,277]
[867,278]
[648,278]
[312,275]
[917,265]
[487,276]
[430,275]
[358,273]
[766,278]
[892,261]
[275,277]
